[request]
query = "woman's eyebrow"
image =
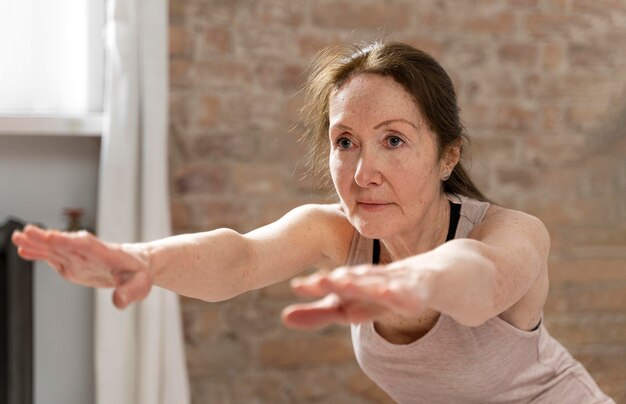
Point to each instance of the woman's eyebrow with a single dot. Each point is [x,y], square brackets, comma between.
[390,121]
[340,126]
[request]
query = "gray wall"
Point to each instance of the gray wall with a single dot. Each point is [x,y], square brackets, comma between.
[39,176]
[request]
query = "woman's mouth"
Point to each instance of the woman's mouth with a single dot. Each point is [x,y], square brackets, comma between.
[372,206]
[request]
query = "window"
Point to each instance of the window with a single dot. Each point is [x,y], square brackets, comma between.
[51,60]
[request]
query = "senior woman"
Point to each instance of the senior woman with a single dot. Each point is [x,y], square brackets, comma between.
[443,290]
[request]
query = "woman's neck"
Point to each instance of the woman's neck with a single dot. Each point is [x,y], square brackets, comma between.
[431,232]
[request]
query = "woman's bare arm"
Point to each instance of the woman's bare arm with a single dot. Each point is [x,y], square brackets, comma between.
[220,264]
[492,270]
[471,279]
[212,266]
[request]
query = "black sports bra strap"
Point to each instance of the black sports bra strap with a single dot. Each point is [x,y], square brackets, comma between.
[455,215]
[376,254]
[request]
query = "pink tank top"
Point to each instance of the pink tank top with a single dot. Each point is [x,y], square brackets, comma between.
[492,363]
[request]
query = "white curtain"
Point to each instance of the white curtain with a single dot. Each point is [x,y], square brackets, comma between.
[139,351]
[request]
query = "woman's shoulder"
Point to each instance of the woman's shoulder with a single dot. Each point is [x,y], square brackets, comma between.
[322,211]
[331,224]
[503,215]
[329,217]
[500,220]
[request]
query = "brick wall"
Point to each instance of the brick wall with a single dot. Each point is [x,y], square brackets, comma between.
[542,88]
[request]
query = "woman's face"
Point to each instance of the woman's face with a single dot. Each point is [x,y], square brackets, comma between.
[383,157]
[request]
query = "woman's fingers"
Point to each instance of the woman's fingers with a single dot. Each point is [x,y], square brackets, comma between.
[307,316]
[330,310]
[357,283]
[130,287]
[84,259]
[79,257]
[378,286]
[322,283]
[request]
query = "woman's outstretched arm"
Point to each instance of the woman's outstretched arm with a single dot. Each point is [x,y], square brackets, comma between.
[212,266]
[501,269]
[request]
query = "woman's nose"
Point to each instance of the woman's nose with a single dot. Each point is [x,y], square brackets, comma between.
[367,172]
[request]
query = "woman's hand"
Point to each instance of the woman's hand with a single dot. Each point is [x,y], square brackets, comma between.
[82,258]
[357,294]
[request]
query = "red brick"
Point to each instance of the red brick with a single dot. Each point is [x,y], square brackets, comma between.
[230,214]
[265,41]
[552,56]
[280,76]
[599,237]
[589,297]
[279,291]
[502,23]
[282,145]
[605,8]
[220,146]
[552,117]
[585,116]
[179,111]
[389,16]
[212,356]
[568,211]
[496,149]
[219,74]
[219,12]
[294,105]
[428,44]
[360,384]
[596,53]
[305,350]
[258,179]
[267,112]
[524,4]
[463,54]
[180,214]
[515,117]
[518,54]
[476,115]
[582,329]
[541,150]
[560,6]
[261,388]
[251,316]
[210,107]
[555,25]
[200,178]
[310,43]
[314,385]
[216,40]
[277,12]
[179,72]
[178,10]
[581,85]
[586,270]
[179,41]
[532,85]
[501,83]
[522,179]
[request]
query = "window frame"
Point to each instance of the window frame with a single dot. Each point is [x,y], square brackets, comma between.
[64,124]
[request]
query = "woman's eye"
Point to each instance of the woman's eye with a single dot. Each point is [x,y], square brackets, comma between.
[344,143]
[394,141]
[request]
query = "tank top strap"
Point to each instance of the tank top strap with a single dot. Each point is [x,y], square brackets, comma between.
[472,212]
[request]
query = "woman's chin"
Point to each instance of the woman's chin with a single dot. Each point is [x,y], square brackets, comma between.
[371,230]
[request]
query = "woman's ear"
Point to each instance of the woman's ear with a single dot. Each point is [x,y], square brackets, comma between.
[451,156]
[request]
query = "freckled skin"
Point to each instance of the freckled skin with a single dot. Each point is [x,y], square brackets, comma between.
[385,167]
[394,163]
